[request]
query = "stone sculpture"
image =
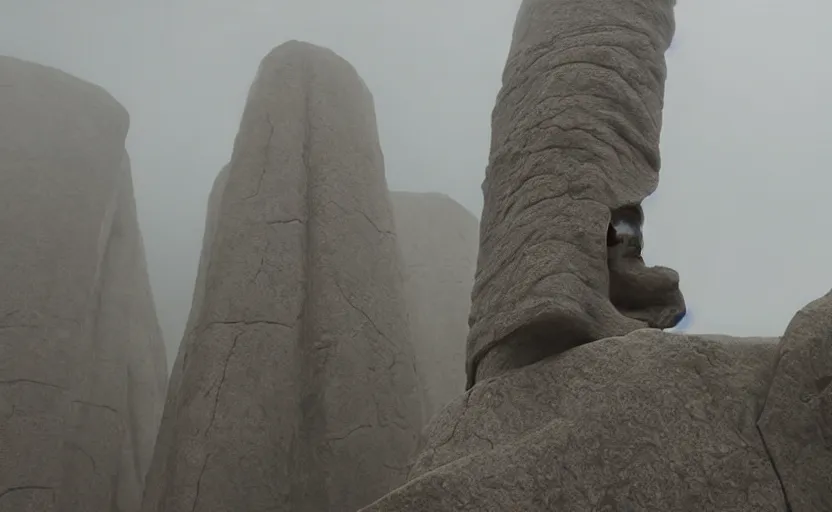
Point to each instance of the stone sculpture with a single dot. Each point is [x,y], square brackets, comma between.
[438,241]
[573,402]
[575,139]
[82,361]
[295,387]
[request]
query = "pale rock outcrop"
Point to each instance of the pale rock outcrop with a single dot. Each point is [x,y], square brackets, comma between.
[574,150]
[438,239]
[295,387]
[82,361]
[648,421]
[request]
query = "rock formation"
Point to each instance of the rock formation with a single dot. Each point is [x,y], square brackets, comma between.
[649,421]
[438,240]
[577,400]
[295,388]
[575,142]
[796,422]
[82,361]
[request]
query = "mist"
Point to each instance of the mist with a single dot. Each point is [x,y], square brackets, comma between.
[745,142]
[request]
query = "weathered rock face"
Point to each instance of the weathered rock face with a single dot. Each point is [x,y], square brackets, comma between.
[565,415]
[438,239]
[295,388]
[648,421]
[575,143]
[796,423]
[82,361]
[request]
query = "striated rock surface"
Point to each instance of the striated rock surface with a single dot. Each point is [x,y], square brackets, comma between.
[648,421]
[438,239]
[796,423]
[82,361]
[572,405]
[295,387]
[574,151]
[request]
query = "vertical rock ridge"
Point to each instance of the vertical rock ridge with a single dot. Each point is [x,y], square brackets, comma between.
[298,361]
[82,365]
[575,138]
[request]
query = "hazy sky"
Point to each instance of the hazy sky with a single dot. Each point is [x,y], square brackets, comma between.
[741,207]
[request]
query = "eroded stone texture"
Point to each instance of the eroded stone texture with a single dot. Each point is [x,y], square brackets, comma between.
[438,239]
[796,423]
[295,388]
[82,361]
[648,421]
[575,136]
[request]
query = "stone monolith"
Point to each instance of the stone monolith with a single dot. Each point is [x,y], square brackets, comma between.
[82,361]
[574,151]
[295,387]
[438,239]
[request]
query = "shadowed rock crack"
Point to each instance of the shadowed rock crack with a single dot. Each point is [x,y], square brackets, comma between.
[266,159]
[199,482]
[349,433]
[250,323]
[12,382]
[366,217]
[222,382]
[483,438]
[97,406]
[361,311]
[460,417]
[822,383]
[6,492]
[284,222]
[774,467]
[217,400]
[78,447]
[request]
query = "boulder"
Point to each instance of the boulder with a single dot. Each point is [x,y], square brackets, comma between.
[295,387]
[647,421]
[438,240]
[82,360]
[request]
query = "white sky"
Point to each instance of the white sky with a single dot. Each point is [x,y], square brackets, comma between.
[746,141]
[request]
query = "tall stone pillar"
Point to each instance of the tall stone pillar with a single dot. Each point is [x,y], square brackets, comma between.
[295,388]
[82,360]
[574,151]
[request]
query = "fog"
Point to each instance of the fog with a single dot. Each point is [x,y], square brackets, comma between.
[740,209]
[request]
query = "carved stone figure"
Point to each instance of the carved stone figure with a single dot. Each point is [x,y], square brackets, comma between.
[575,145]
